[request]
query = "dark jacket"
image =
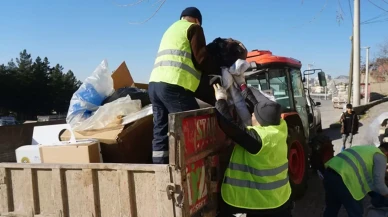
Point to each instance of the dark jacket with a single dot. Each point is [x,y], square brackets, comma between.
[349,123]
[202,59]
[248,139]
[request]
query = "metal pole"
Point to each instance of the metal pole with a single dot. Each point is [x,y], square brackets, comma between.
[325,93]
[350,73]
[308,77]
[366,76]
[356,57]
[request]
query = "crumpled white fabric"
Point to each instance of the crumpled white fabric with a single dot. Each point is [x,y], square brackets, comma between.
[233,90]
[373,131]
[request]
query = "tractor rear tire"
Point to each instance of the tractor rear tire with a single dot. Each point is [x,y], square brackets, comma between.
[321,152]
[297,163]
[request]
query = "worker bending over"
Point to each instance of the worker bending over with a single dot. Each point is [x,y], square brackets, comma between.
[351,175]
[181,59]
[256,180]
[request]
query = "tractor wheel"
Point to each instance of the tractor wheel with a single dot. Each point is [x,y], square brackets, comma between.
[297,163]
[321,152]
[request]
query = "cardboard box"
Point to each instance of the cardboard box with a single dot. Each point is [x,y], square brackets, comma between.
[122,77]
[82,152]
[131,143]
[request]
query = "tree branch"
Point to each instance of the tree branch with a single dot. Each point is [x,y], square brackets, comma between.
[128,5]
[156,11]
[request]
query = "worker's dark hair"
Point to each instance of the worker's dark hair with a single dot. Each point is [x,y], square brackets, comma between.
[349,106]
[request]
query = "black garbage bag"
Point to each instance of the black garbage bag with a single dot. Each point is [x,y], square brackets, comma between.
[227,51]
[133,92]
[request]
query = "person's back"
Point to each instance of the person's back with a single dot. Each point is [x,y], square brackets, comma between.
[351,175]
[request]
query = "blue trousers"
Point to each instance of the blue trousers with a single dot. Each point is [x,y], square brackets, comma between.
[337,194]
[165,99]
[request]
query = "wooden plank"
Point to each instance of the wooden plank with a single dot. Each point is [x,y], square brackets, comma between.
[57,191]
[126,197]
[4,201]
[29,194]
[90,193]
[100,166]
[167,207]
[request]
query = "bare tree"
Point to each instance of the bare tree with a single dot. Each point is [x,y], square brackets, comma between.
[379,66]
[158,3]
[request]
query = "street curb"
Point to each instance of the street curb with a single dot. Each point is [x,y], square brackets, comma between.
[362,108]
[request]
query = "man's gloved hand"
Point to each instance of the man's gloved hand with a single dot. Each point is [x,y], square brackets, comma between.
[220,92]
[239,79]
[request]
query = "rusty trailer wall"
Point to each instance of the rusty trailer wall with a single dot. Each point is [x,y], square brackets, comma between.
[98,190]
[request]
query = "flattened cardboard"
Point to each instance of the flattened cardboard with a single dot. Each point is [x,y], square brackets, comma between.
[80,153]
[122,77]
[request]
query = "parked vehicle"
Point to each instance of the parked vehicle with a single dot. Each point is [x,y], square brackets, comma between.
[5,121]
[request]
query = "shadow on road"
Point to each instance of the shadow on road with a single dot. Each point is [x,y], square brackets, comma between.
[333,133]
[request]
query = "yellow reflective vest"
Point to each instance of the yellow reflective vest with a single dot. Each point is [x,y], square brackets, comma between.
[173,64]
[259,181]
[355,166]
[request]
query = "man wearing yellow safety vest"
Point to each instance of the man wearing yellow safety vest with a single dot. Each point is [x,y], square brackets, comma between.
[351,175]
[181,59]
[256,180]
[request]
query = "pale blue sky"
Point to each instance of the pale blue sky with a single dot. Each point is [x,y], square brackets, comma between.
[79,34]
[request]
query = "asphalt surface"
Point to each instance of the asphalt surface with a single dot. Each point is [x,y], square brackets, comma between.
[312,204]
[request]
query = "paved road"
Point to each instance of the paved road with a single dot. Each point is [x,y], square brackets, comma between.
[312,204]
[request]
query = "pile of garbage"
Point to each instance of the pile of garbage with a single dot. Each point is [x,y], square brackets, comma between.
[98,105]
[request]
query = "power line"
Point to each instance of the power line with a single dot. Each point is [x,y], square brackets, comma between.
[315,17]
[350,10]
[374,18]
[377,21]
[378,6]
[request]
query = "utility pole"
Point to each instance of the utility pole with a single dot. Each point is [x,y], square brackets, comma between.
[350,87]
[366,76]
[356,57]
[308,76]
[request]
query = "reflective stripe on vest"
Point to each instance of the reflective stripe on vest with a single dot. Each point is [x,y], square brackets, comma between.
[259,181]
[355,165]
[173,64]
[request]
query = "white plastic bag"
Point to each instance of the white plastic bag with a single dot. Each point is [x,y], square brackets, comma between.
[234,91]
[372,136]
[110,114]
[90,95]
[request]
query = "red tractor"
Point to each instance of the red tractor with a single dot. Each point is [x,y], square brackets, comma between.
[281,78]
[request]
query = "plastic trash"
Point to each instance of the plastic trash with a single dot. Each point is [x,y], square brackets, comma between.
[110,114]
[90,95]
[133,92]
[373,132]
[228,82]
